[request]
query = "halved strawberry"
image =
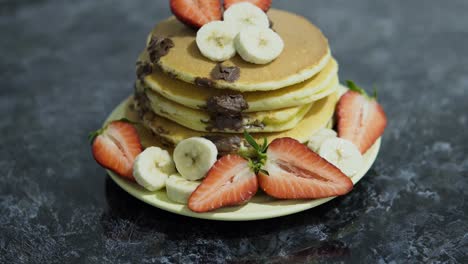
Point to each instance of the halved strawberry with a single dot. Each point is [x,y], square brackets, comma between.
[360,118]
[196,13]
[116,146]
[229,182]
[296,172]
[263,4]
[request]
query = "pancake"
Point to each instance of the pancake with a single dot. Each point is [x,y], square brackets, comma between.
[305,53]
[265,121]
[195,97]
[171,133]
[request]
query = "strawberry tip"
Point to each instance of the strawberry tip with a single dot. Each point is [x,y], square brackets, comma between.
[92,135]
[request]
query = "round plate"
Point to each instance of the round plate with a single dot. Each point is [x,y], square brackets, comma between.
[260,206]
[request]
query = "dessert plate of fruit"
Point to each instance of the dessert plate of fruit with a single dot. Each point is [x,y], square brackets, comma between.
[230,157]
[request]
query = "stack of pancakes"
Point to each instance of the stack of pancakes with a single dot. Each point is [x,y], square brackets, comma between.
[178,95]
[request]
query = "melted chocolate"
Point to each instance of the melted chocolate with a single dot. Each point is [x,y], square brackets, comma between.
[227,104]
[204,82]
[225,145]
[229,74]
[158,47]
[143,69]
[226,111]
[221,123]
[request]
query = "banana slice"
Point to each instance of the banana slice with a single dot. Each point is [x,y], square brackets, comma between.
[343,154]
[316,140]
[179,189]
[244,15]
[215,40]
[152,167]
[258,45]
[194,156]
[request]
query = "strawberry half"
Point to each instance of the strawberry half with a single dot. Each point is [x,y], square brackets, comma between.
[116,146]
[196,13]
[360,118]
[293,171]
[229,182]
[263,4]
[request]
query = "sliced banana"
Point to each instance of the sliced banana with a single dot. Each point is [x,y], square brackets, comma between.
[316,140]
[179,189]
[244,15]
[258,45]
[343,154]
[152,167]
[215,40]
[194,156]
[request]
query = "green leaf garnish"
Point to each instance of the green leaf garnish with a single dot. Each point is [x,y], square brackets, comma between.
[353,87]
[264,147]
[92,135]
[251,140]
[258,160]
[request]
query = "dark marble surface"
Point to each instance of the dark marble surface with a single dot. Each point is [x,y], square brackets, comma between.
[64,65]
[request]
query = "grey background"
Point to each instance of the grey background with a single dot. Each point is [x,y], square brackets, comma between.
[64,65]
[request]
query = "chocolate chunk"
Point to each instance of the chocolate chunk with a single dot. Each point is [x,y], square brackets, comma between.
[158,47]
[229,74]
[256,124]
[221,123]
[171,74]
[204,82]
[225,145]
[226,111]
[143,69]
[230,105]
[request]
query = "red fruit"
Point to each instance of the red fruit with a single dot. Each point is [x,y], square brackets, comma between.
[196,13]
[229,182]
[263,4]
[296,172]
[116,146]
[360,118]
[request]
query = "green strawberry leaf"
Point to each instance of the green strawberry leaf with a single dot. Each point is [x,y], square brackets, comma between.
[264,145]
[259,158]
[353,87]
[92,135]
[251,141]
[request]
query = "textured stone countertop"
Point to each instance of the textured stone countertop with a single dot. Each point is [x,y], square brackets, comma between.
[65,64]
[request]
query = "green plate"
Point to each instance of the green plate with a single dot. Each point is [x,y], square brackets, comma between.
[260,206]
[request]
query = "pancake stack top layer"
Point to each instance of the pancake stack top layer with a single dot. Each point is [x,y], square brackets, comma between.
[181,94]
